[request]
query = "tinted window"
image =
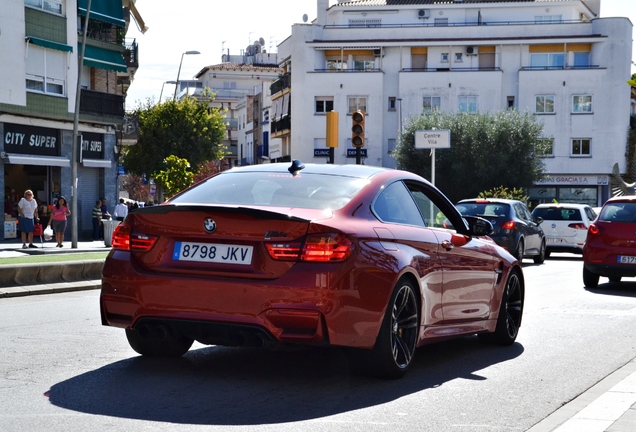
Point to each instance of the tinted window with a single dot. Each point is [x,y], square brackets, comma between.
[499,210]
[395,204]
[554,213]
[313,191]
[619,212]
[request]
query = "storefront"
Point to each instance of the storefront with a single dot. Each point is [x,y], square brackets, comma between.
[37,158]
[592,190]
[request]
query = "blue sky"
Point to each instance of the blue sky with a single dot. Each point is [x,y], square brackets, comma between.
[213,27]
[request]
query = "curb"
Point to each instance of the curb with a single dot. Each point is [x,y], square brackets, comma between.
[25,275]
[52,288]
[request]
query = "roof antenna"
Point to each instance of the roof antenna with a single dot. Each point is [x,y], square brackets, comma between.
[296,167]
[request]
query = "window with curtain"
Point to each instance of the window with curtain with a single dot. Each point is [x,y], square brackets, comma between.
[582,103]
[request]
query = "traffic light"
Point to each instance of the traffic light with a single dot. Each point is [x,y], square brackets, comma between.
[332,129]
[357,129]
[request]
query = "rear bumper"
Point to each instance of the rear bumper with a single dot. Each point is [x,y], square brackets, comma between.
[611,270]
[294,309]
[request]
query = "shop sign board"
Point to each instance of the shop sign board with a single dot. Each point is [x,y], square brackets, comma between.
[31,140]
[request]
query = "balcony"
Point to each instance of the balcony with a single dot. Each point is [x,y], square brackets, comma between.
[281,84]
[281,125]
[131,55]
[101,104]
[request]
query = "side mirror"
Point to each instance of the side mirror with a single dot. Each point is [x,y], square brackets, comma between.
[478,226]
[538,220]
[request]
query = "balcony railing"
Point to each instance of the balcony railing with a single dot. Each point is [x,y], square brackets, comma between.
[103,104]
[569,67]
[281,125]
[468,69]
[131,55]
[375,24]
[280,84]
[348,70]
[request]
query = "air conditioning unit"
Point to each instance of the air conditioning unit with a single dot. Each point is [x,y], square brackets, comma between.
[423,13]
[377,52]
[471,50]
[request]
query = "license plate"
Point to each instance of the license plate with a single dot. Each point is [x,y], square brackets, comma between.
[626,259]
[212,253]
[556,240]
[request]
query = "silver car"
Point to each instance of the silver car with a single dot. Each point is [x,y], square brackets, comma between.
[565,226]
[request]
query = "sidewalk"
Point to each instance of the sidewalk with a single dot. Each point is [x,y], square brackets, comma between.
[17,280]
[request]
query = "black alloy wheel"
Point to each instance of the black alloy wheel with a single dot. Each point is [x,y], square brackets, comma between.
[590,280]
[539,259]
[510,313]
[395,347]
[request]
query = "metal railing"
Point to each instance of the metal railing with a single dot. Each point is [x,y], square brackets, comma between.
[104,104]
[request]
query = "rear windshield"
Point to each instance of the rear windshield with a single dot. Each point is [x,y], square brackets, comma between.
[557,214]
[618,212]
[484,209]
[311,191]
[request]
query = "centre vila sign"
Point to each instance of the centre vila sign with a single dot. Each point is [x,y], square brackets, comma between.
[432,139]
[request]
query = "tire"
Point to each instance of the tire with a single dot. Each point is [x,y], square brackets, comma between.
[395,347]
[590,280]
[615,278]
[539,259]
[158,341]
[510,313]
[519,250]
[547,254]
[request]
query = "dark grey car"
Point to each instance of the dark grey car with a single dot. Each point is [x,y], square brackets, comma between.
[514,227]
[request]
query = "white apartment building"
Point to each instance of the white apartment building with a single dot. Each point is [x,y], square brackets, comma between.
[232,81]
[395,59]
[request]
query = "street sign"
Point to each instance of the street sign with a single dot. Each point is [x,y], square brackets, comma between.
[432,139]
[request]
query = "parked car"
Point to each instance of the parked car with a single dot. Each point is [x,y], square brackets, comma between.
[515,229]
[610,245]
[565,226]
[354,256]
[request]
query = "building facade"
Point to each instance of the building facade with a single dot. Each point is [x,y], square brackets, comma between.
[232,81]
[40,47]
[394,59]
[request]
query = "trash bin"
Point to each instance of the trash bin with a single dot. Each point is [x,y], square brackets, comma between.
[109,227]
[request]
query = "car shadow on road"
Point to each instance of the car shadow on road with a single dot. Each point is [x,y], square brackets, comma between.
[619,289]
[238,386]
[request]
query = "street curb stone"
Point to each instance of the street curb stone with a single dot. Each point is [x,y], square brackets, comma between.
[24,275]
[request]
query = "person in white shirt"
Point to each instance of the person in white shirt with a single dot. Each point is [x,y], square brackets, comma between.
[121,210]
[27,213]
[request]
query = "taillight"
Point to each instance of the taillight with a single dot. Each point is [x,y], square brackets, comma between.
[316,248]
[577,226]
[124,239]
[284,251]
[508,225]
[326,248]
[594,230]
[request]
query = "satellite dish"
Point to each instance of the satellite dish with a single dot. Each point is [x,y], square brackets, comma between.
[305,18]
[261,41]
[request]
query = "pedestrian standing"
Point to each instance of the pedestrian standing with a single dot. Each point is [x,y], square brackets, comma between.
[97,219]
[58,220]
[27,213]
[121,210]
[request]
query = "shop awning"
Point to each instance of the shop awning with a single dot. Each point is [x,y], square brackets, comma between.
[109,11]
[49,44]
[96,163]
[104,59]
[20,159]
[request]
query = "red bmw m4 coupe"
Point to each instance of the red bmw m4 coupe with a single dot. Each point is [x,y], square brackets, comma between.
[373,259]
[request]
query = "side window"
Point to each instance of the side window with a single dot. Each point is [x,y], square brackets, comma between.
[396,205]
[522,213]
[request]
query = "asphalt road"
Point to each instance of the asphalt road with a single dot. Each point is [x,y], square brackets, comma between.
[60,370]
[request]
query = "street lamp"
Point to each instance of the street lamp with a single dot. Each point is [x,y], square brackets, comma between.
[179,73]
[164,83]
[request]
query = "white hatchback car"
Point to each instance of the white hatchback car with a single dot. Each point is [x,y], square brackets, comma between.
[565,226]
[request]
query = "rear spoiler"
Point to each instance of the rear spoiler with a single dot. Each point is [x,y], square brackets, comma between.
[227,209]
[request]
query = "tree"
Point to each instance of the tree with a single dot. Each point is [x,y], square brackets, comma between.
[487,151]
[504,192]
[186,128]
[175,175]
[134,185]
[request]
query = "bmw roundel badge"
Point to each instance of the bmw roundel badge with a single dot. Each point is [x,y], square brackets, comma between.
[209,225]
